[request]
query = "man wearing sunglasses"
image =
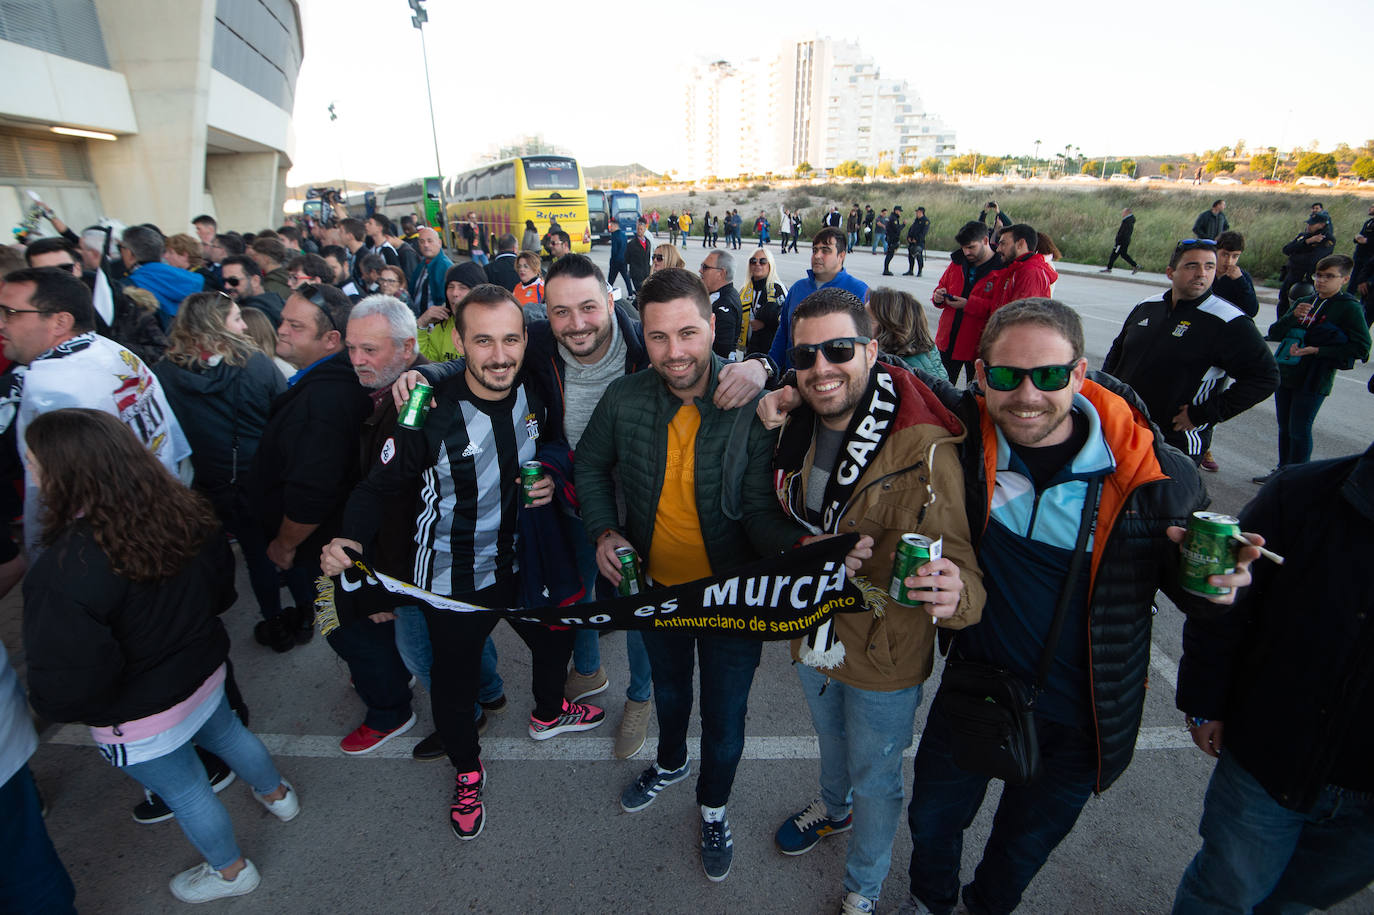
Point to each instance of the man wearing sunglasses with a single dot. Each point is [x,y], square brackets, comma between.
[1179,350]
[828,251]
[869,450]
[242,278]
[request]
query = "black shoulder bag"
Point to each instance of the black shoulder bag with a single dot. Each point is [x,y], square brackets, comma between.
[990,710]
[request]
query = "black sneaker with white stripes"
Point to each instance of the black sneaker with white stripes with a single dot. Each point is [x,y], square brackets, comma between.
[717,849]
[641,792]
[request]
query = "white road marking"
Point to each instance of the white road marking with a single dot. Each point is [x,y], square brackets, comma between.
[578,748]
[1164,665]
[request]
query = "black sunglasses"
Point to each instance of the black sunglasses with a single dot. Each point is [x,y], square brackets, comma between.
[1044,377]
[232,281]
[837,351]
[311,293]
[758,261]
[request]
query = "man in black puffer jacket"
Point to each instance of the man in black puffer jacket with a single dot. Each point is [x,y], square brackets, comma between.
[1045,434]
[1289,816]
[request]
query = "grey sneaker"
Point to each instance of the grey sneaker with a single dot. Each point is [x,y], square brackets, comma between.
[634,727]
[717,849]
[641,792]
[855,904]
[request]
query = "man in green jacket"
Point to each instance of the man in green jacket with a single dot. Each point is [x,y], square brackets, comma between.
[662,434]
[1318,336]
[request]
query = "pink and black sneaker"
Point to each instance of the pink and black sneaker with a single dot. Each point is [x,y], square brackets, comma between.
[575,716]
[466,814]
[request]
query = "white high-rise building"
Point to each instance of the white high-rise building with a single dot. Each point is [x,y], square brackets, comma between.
[816,101]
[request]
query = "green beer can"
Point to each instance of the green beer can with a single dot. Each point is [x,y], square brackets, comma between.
[1208,549]
[913,551]
[530,473]
[417,407]
[629,572]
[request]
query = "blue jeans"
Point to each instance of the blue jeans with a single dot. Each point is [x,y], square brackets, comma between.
[586,642]
[1297,411]
[1030,821]
[412,641]
[1257,854]
[32,878]
[379,676]
[479,257]
[180,780]
[727,672]
[863,734]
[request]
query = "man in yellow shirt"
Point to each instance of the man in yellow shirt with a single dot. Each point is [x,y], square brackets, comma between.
[666,439]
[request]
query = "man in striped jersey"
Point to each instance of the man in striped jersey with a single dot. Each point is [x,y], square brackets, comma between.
[1193,357]
[484,424]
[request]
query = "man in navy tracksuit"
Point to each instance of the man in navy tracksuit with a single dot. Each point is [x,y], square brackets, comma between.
[1179,350]
[619,264]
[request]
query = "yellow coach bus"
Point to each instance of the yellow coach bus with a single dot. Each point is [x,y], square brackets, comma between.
[545,189]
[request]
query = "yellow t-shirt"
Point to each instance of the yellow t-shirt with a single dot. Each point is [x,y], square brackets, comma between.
[678,554]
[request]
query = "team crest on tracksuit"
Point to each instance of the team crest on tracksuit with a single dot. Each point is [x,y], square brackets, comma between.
[1182,328]
[531,426]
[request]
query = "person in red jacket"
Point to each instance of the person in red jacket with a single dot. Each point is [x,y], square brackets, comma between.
[1024,274]
[956,337]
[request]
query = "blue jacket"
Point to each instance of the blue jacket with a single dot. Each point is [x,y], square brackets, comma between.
[169,284]
[782,340]
[437,269]
[618,245]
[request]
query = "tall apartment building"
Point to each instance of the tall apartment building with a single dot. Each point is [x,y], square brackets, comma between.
[148,111]
[815,100]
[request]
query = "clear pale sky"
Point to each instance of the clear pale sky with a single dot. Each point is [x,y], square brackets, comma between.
[601,79]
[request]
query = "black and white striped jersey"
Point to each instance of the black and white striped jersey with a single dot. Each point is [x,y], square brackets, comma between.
[467,459]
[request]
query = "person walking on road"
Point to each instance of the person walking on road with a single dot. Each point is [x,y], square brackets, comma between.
[1123,242]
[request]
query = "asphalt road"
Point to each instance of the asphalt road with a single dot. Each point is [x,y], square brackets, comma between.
[373,834]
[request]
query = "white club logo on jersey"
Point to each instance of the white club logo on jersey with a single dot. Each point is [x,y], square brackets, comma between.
[531,426]
[1182,328]
[388,450]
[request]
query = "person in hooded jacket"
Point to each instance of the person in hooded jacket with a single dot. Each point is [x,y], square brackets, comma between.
[956,336]
[221,387]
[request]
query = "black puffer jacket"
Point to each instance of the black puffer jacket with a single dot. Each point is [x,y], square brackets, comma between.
[1154,486]
[104,650]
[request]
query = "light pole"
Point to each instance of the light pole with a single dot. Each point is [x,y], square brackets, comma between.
[1036,165]
[418,21]
[343,174]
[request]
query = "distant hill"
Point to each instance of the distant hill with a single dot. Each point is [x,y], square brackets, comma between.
[632,173]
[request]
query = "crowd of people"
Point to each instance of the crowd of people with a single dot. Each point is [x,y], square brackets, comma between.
[253,386]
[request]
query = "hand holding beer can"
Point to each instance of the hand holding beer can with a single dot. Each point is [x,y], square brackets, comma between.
[913,551]
[531,472]
[417,407]
[1209,548]
[630,583]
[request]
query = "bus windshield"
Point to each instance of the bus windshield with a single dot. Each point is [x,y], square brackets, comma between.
[550,173]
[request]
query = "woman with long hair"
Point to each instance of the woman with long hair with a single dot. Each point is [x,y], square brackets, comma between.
[761,299]
[259,329]
[666,256]
[122,633]
[899,326]
[529,241]
[221,387]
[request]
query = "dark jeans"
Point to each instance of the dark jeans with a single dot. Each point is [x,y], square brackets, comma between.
[620,268]
[916,259]
[32,878]
[1260,856]
[1297,411]
[379,676]
[727,672]
[457,640]
[231,505]
[887,258]
[1121,252]
[1029,823]
[954,366]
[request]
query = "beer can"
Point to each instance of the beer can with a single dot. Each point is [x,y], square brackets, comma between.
[417,407]
[530,473]
[630,583]
[913,551]
[1208,549]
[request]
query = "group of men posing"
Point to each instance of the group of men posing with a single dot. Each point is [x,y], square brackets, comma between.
[623,413]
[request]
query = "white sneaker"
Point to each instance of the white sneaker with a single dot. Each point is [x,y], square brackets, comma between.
[856,904]
[203,883]
[287,808]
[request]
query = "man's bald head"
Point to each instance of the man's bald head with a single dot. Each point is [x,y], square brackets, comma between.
[428,240]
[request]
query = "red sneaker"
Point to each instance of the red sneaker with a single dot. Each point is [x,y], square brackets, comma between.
[364,739]
[466,815]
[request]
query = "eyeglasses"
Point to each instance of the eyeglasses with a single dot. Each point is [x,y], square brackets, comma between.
[8,313]
[1189,244]
[712,267]
[836,351]
[1044,377]
[311,293]
[758,261]
[232,281]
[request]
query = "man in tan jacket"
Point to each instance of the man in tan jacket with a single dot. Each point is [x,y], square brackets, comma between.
[870,451]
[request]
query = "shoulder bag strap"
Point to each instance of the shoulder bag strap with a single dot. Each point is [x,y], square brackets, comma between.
[1085,526]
